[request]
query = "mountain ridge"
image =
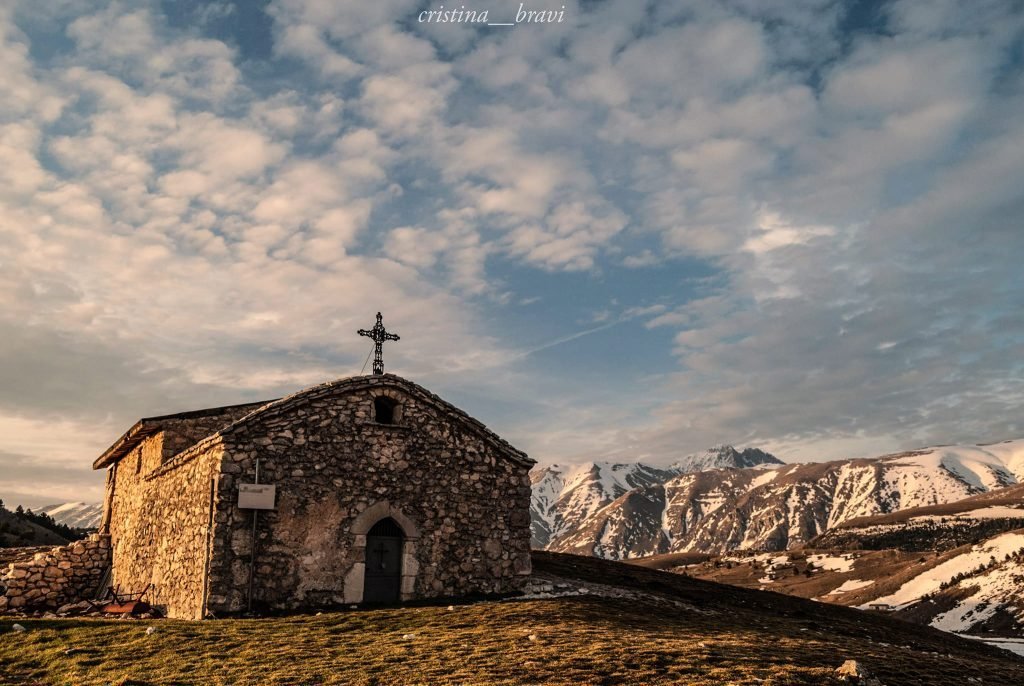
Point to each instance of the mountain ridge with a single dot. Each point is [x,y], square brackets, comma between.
[627,510]
[564,496]
[76,514]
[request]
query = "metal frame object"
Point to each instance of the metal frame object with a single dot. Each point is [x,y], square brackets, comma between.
[378,334]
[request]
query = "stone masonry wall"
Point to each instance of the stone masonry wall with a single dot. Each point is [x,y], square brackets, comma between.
[449,478]
[159,525]
[62,575]
[181,434]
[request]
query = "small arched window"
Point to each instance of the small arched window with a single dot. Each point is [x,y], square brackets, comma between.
[385,410]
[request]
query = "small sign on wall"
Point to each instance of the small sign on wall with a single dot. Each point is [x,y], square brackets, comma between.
[256,496]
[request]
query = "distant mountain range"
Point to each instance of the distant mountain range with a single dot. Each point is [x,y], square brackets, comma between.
[78,515]
[747,500]
[565,497]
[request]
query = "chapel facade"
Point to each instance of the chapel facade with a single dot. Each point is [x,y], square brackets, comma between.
[370,489]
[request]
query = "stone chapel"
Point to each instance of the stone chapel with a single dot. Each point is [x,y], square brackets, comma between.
[365,489]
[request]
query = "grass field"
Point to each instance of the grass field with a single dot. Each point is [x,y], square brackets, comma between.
[666,629]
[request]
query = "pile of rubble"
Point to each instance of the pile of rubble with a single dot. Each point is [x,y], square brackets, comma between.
[90,608]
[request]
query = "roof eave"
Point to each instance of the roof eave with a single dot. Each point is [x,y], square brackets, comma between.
[122,446]
[148,426]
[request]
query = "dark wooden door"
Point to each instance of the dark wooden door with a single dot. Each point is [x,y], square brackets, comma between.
[383,566]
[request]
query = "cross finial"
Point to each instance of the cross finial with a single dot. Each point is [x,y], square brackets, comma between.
[378,334]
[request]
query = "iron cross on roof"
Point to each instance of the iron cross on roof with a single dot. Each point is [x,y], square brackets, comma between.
[378,334]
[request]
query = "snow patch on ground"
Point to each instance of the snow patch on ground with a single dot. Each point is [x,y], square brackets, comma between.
[931,580]
[992,590]
[771,472]
[850,585]
[833,563]
[1014,645]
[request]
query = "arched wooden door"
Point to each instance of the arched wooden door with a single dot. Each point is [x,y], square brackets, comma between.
[383,583]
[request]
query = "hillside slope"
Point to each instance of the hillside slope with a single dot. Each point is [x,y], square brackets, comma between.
[974,589]
[768,508]
[16,531]
[936,527]
[633,626]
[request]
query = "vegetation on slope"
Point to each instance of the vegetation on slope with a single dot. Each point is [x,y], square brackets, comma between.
[800,577]
[1011,496]
[25,528]
[986,585]
[938,534]
[662,628]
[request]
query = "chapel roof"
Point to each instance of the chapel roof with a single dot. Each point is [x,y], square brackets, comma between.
[273,408]
[147,426]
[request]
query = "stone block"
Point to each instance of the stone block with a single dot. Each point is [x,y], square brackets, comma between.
[408,586]
[410,565]
[492,548]
[354,583]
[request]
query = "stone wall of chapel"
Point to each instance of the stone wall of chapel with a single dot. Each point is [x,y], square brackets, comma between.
[159,526]
[330,461]
[182,433]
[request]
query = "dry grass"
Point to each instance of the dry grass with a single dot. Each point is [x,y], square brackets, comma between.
[578,641]
[677,631]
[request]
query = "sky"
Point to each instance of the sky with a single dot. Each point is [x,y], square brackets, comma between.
[635,233]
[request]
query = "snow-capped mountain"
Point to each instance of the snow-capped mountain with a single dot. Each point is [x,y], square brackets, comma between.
[772,508]
[723,457]
[565,496]
[78,515]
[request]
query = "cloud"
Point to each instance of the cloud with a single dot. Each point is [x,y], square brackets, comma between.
[128,41]
[21,94]
[813,213]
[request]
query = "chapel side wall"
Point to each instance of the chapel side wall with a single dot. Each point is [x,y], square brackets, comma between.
[469,503]
[180,434]
[159,526]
